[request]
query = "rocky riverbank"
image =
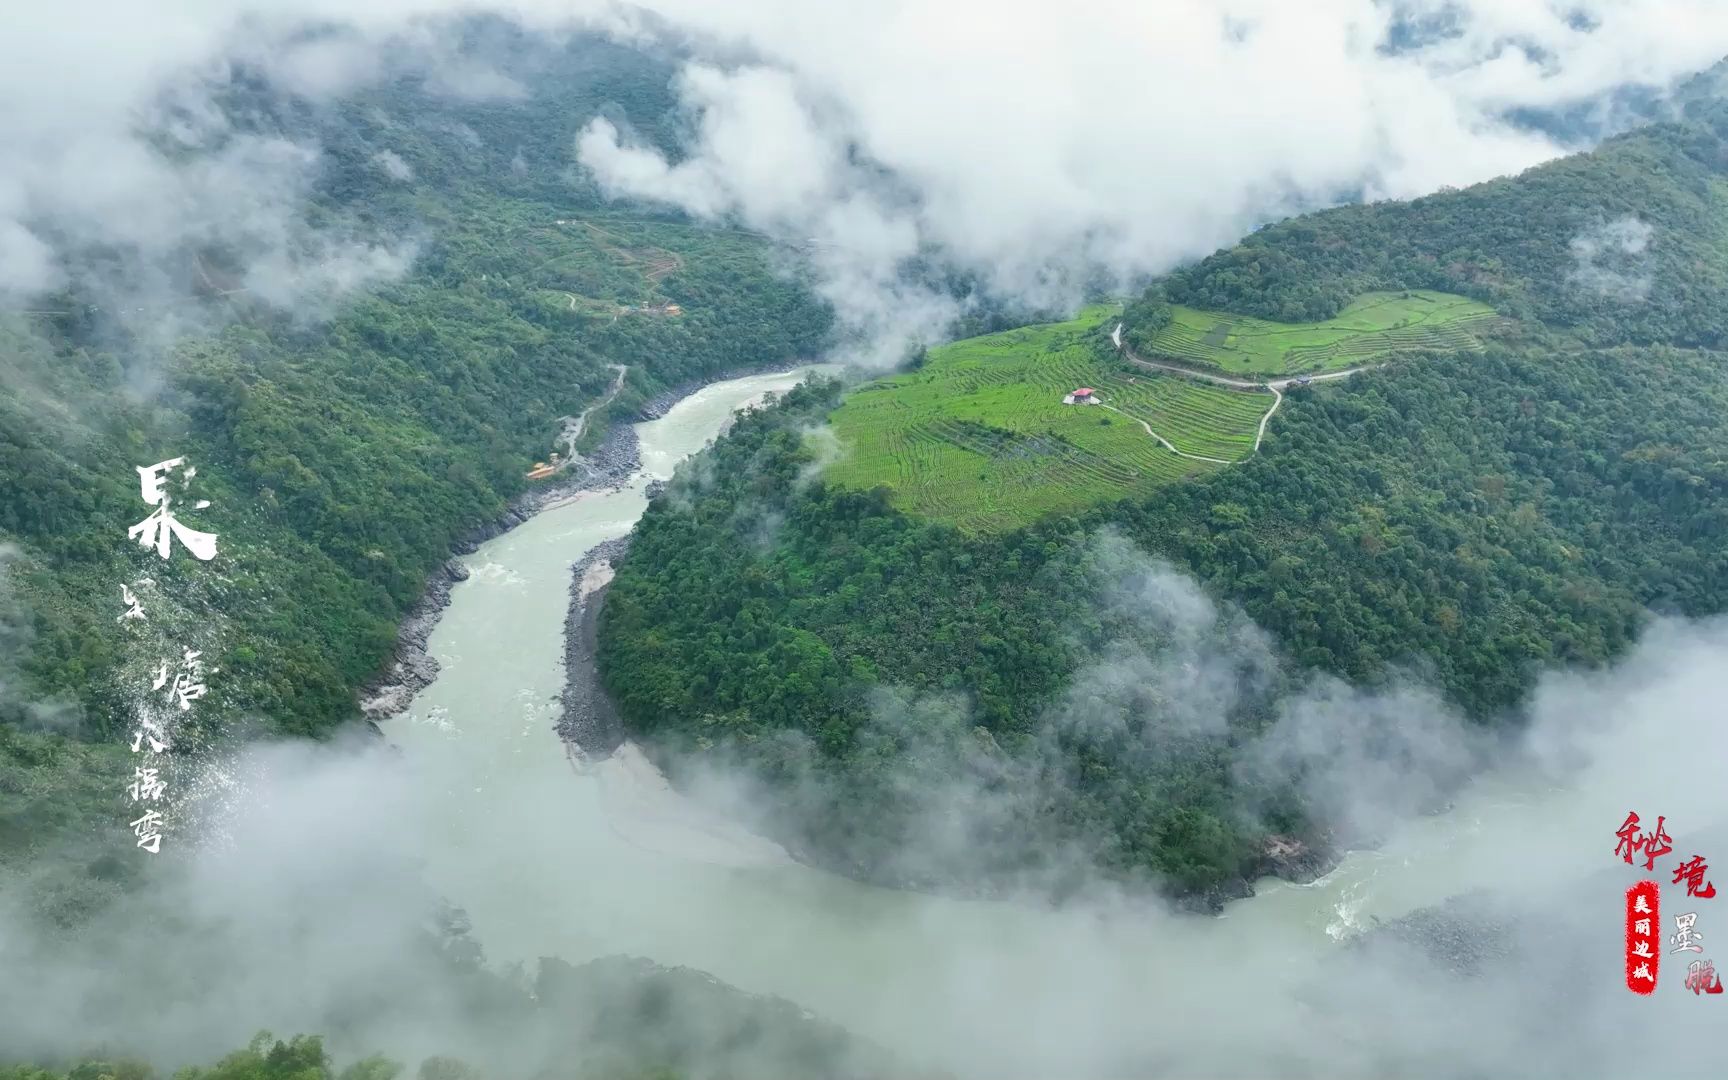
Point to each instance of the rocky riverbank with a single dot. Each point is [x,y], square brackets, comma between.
[1462,935]
[587,718]
[608,468]
[660,404]
[411,668]
[1283,857]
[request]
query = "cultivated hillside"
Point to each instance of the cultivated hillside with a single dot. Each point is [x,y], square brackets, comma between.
[1463,519]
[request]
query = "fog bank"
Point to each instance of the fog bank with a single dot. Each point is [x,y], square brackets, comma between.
[1034,152]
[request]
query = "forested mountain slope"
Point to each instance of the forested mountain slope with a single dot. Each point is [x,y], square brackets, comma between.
[1460,521]
[343,447]
[1623,244]
[343,457]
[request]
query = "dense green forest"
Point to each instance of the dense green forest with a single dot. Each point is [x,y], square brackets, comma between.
[1619,245]
[343,451]
[1467,521]
[770,654]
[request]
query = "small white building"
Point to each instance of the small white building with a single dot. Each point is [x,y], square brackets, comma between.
[1085,395]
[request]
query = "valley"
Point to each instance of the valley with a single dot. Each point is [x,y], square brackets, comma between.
[778,545]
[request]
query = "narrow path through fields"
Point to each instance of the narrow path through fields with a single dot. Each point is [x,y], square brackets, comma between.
[1168,445]
[1275,386]
[1260,432]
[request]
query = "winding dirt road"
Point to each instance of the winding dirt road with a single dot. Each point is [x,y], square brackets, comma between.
[1260,432]
[575,425]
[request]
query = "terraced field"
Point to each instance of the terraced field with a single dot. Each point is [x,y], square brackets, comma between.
[979,436]
[1373,325]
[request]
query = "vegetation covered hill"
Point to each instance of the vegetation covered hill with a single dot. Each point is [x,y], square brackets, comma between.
[1465,520]
[773,652]
[1623,244]
[982,434]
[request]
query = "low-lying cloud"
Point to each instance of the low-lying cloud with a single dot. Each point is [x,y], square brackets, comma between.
[307,915]
[393,165]
[1612,260]
[1029,151]
[1171,675]
[1036,150]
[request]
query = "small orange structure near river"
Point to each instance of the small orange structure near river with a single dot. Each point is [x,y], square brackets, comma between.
[542,470]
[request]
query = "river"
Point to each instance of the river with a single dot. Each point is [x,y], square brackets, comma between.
[550,856]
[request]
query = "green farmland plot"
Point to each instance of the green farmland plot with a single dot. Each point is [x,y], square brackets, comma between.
[1373,325]
[979,437]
